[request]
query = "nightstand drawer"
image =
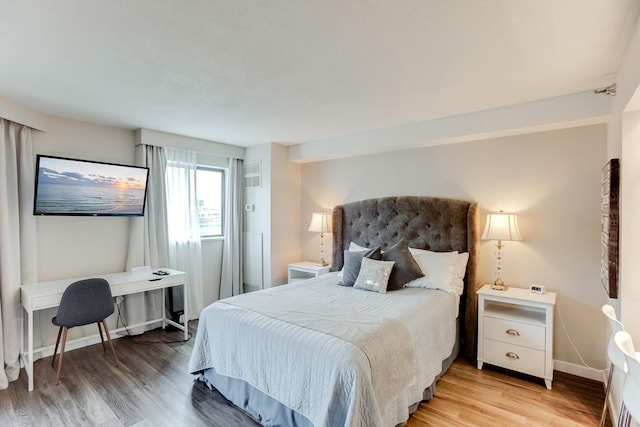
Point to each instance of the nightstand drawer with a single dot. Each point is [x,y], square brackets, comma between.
[522,334]
[517,358]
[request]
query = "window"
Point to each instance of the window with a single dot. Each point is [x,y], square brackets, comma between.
[210,196]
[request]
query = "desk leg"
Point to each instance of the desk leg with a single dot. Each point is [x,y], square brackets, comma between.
[21,354]
[29,362]
[186,312]
[164,309]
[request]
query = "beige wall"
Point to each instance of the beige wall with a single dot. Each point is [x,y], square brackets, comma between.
[285,213]
[81,246]
[551,179]
[70,247]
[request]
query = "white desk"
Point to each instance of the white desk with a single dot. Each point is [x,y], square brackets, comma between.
[43,295]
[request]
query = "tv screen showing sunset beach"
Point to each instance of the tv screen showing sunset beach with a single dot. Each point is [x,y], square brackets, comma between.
[82,187]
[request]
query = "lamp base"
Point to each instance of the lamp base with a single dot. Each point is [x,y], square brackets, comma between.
[499,285]
[322,263]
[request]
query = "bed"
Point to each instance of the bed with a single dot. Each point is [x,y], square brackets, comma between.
[316,353]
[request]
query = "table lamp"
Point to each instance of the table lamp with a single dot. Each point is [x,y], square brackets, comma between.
[500,226]
[321,223]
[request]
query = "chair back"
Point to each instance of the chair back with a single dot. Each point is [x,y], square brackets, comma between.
[631,389]
[613,351]
[84,302]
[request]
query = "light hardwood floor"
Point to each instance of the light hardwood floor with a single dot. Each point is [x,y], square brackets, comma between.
[466,396]
[152,388]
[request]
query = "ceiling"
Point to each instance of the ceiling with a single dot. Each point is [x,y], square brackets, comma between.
[248,72]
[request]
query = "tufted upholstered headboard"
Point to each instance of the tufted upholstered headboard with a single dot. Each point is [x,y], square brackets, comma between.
[435,224]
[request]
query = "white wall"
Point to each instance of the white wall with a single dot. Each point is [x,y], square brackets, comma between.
[578,109]
[211,269]
[629,291]
[622,142]
[623,137]
[276,214]
[259,220]
[551,179]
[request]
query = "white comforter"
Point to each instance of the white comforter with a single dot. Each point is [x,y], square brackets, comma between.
[339,356]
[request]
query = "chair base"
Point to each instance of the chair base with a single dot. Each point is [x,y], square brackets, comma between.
[62,333]
[624,420]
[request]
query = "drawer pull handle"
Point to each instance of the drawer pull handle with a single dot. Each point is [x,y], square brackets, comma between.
[513,332]
[512,355]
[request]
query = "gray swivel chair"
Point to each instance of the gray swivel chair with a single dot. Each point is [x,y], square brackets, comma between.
[631,389]
[83,302]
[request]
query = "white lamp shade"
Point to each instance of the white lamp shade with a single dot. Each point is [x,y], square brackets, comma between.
[501,226]
[320,223]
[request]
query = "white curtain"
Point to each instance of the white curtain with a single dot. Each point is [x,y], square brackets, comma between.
[185,253]
[232,256]
[149,240]
[149,237]
[18,262]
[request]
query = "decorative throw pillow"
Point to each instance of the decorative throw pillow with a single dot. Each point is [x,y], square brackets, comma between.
[353,247]
[374,275]
[405,268]
[352,262]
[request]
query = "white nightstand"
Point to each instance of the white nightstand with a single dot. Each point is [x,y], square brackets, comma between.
[515,331]
[305,270]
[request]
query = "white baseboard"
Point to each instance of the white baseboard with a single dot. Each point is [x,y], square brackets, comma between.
[78,343]
[580,371]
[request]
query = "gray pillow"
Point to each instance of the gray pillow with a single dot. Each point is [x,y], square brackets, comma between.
[352,262]
[405,268]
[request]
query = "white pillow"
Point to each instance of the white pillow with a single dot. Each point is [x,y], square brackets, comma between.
[459,268]
[438,270]
[415,251]
[354,247]
[459,271]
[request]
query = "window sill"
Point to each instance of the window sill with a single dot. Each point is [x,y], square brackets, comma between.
[212,238]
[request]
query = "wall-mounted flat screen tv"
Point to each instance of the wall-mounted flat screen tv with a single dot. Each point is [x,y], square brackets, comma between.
[86,188]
